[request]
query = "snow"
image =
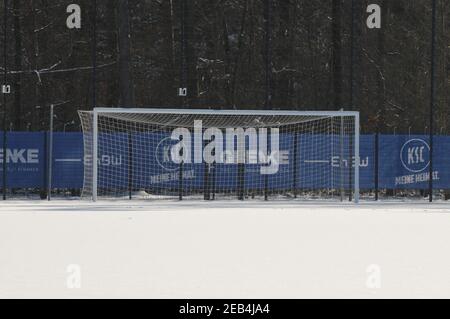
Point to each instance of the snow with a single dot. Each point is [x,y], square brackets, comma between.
[228,249]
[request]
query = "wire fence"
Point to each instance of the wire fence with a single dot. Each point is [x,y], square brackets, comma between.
[251,54]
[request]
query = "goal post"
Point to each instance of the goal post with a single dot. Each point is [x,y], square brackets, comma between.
[220,154]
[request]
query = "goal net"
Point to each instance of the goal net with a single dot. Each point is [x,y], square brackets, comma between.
[226,154]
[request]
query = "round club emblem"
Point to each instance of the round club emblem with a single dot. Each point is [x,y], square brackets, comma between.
[415,155]
[163,156]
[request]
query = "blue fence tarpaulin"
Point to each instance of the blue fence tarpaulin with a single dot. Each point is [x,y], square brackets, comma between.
[25,158]
[403,162]
[68,160]
[405,159]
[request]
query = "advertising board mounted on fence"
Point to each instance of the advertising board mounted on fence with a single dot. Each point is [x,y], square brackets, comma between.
[403,161]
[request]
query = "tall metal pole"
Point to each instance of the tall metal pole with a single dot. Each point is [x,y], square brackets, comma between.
[377,164]
[341,156]
[94,155]
[352,56]
[130,166]
[5,78]
[357,161]
[94,54]
[50,155]
[352,89]
[184,62]
[433,97]
[268,102]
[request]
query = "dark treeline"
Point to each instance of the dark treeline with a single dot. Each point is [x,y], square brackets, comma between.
[242,54]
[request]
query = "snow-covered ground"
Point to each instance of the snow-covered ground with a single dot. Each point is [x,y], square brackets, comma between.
[162,249]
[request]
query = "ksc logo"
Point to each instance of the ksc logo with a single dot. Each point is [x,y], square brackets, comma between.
[163,154]
[415,155]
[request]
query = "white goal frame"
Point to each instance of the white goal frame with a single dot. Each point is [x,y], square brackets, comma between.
[103,110]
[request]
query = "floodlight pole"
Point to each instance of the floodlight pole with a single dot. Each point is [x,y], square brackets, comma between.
[352,55]
[433,97]
[94,54]
[50,155]
[352,78]
[4,92]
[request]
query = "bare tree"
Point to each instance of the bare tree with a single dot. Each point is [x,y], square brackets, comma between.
[125,80]
[17,65]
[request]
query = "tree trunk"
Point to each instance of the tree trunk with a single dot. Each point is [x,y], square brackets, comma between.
[18,66]
[191,57]
[234,76]
[125,81]
[284,45]
[112,97]
[168,84]
[381,116]
[268,8]
[337,48]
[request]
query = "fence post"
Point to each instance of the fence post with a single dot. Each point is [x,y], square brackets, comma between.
[433,97]
[50,156]
[377,163]
[180,182]
[4,92]
[130,167]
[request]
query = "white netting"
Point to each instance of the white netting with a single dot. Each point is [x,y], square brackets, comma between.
[213,155]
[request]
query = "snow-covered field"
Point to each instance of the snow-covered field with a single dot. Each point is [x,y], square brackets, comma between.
[224,249]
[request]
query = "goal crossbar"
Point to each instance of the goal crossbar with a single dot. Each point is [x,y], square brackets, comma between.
[226,112]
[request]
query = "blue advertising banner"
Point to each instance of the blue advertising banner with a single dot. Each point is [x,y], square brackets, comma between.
[25,158]
[68,159]
[403,162]
[153,166]
[367,163]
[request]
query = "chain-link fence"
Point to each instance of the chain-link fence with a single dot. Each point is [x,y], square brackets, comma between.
[250,54]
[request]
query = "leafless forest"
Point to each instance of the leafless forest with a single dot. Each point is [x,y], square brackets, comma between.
[242,54]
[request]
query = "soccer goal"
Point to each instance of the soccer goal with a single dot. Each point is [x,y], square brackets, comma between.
[220,154]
